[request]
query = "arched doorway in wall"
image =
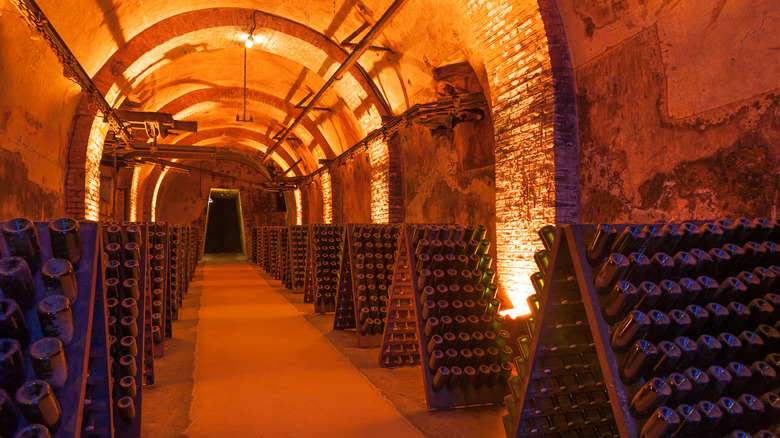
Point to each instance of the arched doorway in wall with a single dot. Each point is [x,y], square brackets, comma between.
[528,79]
[224,223]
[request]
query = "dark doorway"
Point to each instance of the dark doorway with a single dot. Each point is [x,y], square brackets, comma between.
[223,223]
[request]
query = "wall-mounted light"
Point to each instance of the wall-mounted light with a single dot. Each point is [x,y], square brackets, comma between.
[249,41]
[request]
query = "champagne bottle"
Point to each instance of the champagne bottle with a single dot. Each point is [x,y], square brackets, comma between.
[732,411]
[622,299]
[48,361]
[719,381]
[639,359]
[649,398]
[690,290]
[687,348]
[690,420]
[700,381]
[12,322]
[649,293]
[632,239]
[16,281]
[667,358]
[709,290]
[662,423]
[59,278]
[731,346]
[9,418]
[65,240]
[740,376]
[56,318]
[638,269]
[12,364]
[633,327]
[659,325]
[39,404]
[711,415]
[612,270]
[125,406]
[21,239]
[708,349]
[601,243]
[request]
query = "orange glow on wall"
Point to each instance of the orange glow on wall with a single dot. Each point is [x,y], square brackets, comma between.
[134,193]
[327,198]
[298,207]
[92,169]
[157,189]
[378,157]
[523,117]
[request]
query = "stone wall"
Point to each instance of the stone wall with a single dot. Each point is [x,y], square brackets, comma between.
[37,106]
[679,109]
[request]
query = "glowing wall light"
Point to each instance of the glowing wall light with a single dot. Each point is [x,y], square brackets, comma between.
[157,189]
[524,137]
[92,169]
[298,207]
[378,158]
[134,193]
[327,198]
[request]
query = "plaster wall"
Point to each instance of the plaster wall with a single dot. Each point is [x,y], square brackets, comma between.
[37,106]
[679,108]
[354,177]
[449,177]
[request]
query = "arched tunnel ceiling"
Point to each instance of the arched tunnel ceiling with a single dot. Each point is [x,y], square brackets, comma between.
[187,57]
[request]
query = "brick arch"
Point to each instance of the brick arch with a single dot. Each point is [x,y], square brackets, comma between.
[531,87]
[88,134]
[213,94]
[238,134]
[251,158]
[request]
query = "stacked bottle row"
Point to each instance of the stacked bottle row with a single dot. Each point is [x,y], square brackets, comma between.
[125,289]
[373,250]
[327,249]
[400,343]
[299,245]
[344,318]
[694,312]
[284,257]
[265,248]
[45,279]
[465,348]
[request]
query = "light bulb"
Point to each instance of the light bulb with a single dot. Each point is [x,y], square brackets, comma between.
[249,42]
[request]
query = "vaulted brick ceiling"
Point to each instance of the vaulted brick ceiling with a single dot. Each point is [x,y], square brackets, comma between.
[186,57]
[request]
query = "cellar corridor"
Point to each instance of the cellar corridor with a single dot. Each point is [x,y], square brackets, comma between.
[254,372]
[255,361]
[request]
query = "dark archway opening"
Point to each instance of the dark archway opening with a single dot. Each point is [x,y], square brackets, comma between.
[223,223]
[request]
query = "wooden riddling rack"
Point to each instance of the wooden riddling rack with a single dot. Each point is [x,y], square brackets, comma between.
[400,345]
[372,252]
[309,282]
[344,317]
[162,295]
[457,323]
[299,245]
[86,354]
[326,254]
[118,295]
[284,257]
[709,310]
[265,248]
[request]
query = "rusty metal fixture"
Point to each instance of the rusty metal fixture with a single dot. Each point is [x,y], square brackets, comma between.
[361,47]
[444,113]
[71,66]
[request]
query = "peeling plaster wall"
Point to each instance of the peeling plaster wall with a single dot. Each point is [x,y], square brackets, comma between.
[183,198]
[355,180]
[37,106]
[679,108]
[449,178]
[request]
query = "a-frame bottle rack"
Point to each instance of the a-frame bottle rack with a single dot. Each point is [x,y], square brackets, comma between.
[328,241]
[126,288]
[463,347]
[400,345]
[345,305]
[85,354]
[309,284]
[667,330]
[299,245]
[284,257]
[372,253]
